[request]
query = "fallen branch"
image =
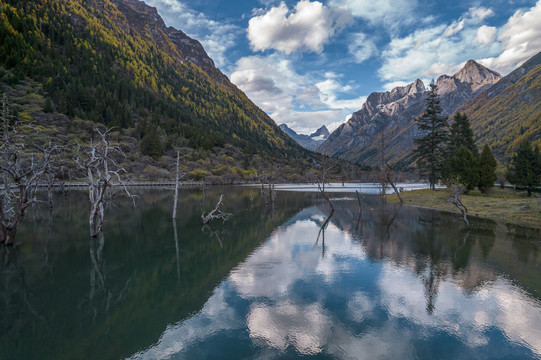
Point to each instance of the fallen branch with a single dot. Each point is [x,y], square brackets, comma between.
[216,213]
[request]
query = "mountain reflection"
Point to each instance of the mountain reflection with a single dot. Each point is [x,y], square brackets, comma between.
[398,285]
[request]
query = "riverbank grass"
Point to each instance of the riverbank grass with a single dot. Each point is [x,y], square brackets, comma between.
[507,204]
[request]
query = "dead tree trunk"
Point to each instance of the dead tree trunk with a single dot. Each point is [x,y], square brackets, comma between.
[21,173]
[388,175]
[176,187]
[456,199]
[322,180]
[101,168]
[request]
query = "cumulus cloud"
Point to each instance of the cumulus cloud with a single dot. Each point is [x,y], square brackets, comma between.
[303,102]
[216,37]
[486,35]
[389,13]
[520,39]
[439,49]
[362,48]
[309,27]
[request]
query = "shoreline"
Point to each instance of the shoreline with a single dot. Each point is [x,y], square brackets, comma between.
[502,205]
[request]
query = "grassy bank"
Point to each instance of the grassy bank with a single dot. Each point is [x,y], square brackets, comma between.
[507,204]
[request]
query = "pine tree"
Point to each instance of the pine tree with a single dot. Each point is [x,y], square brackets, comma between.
[430,150]
[525,169]
[487,168]
[466,168]
[461,134]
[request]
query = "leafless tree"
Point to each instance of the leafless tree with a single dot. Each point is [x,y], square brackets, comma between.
[267,189]
[22,170]
[216,213]
[322,180]
[100,161]
[387,175]
[455,197]
[178,176]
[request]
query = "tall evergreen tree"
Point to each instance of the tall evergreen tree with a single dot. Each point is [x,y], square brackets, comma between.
[487,168]
[466,168]
[525,169]
[430,150]
[461,134]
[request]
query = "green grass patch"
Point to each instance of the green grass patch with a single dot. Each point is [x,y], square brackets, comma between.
[507,204]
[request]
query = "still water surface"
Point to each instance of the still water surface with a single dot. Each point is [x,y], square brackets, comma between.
[271,283]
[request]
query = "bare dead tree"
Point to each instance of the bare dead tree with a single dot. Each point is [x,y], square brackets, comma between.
[22,171]
[455,192]
[387,174]
[99,161]
[216,213]
[322,180]
[267,189]
[177,179]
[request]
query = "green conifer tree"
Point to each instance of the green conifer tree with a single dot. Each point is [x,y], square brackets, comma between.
[487,168]
[466,168]
[525,169]
[461,134]
[430,150]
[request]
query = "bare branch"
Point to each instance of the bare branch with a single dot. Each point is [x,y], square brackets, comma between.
[99,163]
[456,192]
[216,213]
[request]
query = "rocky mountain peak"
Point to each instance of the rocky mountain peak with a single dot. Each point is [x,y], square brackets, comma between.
[477,75]
[393,114]
[322,133]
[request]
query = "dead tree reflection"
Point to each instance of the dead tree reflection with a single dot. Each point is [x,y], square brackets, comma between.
[176,248]
[12,323]
[101,297]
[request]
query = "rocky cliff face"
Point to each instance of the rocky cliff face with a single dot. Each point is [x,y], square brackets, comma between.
[388,119]
[310,142]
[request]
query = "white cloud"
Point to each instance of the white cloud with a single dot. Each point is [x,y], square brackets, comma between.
[216,37]
[303,102]
[473,16]
[440,49]
[486,35]
[362,48]
[520,39]
[309,27]
[389,13]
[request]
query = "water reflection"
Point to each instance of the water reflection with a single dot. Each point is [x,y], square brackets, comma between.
[395,287]
[298,281]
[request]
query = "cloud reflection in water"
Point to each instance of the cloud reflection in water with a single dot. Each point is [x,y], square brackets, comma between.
[288,298]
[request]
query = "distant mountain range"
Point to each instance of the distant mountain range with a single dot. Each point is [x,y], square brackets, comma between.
[310,142]
[388,118]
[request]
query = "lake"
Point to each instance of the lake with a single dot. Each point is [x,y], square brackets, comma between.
[281,282]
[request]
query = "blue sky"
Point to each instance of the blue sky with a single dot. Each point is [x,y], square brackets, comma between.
[308,63]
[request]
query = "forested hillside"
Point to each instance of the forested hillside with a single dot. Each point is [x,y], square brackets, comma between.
[509,112]
[116,63]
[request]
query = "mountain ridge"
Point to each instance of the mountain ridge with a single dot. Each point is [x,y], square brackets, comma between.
[115,63]
[392,115]
[310,142]
[509,111]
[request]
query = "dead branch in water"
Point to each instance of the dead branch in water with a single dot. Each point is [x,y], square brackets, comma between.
[216,213]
